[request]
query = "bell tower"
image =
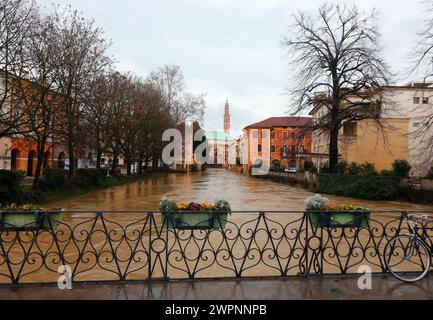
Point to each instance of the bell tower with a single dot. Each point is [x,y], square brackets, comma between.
[227,121]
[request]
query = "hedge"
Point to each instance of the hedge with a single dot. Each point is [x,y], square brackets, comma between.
[10,190]
[57,179]
[90,178]
[417,196]
[368,187]
[54,179]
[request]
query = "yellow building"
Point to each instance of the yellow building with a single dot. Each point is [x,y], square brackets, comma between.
[404,110]
[364,142]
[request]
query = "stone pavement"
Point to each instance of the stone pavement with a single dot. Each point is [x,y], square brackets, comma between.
[312,288]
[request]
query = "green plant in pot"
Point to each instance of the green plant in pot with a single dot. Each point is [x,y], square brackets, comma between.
[29,218]
[195,216]
[323,213]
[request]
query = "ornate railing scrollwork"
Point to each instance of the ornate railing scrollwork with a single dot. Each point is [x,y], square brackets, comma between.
[123,246]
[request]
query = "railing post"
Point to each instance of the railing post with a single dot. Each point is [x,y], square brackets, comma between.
[4,253]
[149,270]
[56,240]
[166,225]
[307,243]
[113,251]
[322,250]
[81,252]
[241,269]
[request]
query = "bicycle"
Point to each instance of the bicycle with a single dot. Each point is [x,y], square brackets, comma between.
[408,257]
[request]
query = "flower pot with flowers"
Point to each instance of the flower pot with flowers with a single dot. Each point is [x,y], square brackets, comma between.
[195,216]
[29,218]
[324,213]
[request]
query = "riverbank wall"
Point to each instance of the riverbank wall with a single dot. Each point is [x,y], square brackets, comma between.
[412,190]
[304,179]
[187,168]
[417,190]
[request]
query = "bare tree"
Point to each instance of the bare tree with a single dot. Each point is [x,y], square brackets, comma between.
[40,100]
[80,53]
[422,54]
[16,20]
[153,121]
[422,64]
[67,94]
[124,116]
[130,120]
[181,105]
[96,115]
[338,65]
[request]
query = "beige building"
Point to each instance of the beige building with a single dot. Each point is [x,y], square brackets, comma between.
[405,110]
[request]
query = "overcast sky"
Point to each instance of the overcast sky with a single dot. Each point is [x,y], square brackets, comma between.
[230,48]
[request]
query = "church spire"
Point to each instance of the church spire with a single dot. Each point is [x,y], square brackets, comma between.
[227,120]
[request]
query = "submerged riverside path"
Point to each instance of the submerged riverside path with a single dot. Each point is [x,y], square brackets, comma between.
[243,193]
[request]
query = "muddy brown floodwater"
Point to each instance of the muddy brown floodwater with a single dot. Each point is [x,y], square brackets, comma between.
[89,245]
[244,194]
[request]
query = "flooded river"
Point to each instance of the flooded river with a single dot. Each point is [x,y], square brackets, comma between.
[244,194]
[144,249]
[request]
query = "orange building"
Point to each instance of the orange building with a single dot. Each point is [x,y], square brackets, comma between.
[289,139]
[17,151]
[23,157]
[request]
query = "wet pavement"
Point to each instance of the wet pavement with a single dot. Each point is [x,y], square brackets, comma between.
[297,288]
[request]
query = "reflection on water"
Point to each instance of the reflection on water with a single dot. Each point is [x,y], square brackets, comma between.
[244,193]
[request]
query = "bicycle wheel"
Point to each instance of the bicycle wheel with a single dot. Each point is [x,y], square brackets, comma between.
[407,258]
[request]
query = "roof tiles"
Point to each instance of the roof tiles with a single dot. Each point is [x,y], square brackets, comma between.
[283,122]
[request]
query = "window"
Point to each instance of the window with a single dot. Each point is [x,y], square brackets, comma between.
[425,100]
[416,100]
[416,124]
[285,136]
[293,136]
[273,135]
[259,149]
[273,149]
[293,150]
[276,164]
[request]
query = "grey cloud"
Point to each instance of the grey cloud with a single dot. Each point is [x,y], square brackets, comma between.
[230,49]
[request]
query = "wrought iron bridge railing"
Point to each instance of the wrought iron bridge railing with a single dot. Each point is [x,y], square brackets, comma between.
[128,246]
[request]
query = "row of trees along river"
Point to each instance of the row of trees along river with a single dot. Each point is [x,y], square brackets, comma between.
[63,87]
